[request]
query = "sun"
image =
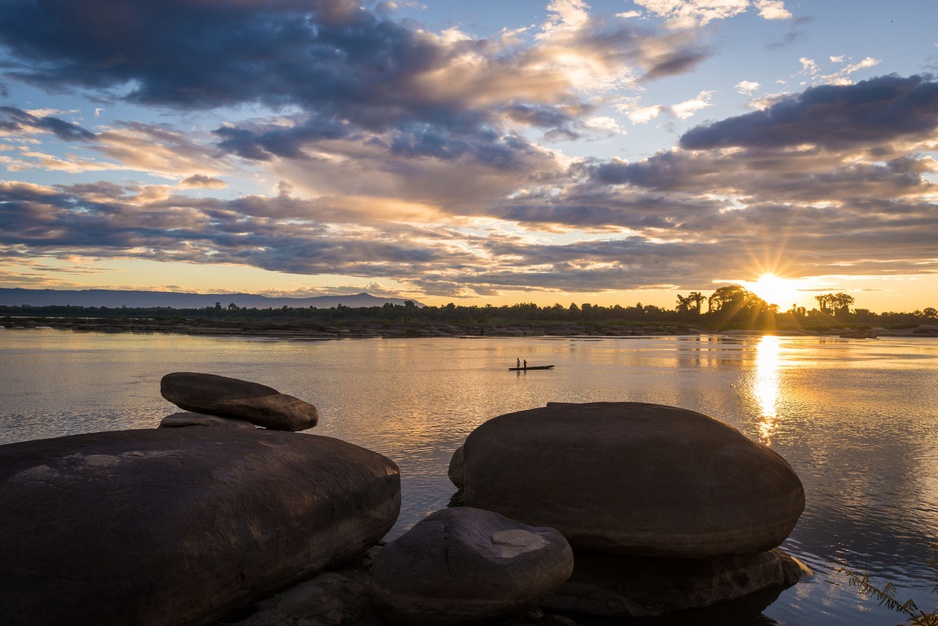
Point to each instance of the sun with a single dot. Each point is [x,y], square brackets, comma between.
[775,290]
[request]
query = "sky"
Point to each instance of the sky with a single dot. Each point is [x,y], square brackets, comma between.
[609,152]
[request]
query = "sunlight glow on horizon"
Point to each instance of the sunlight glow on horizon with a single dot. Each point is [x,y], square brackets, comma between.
[776,290]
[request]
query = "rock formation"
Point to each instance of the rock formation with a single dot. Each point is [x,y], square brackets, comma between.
[465,565]
[666,509]
[633,478]
[614,585]
[238,399]
[169,527]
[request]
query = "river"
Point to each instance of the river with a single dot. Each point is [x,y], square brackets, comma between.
[856,419]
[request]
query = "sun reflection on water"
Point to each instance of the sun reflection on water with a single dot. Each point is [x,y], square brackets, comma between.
[766,384]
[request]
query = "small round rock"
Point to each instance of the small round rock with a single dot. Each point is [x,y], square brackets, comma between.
[464,566]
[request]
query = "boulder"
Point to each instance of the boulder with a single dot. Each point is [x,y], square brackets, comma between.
[179,420]
[238,399]
[455,471]
[464,565]
[176,526]
[633,478]
[613,585]
[331,598]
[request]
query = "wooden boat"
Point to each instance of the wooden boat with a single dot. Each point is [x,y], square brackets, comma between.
[531,367]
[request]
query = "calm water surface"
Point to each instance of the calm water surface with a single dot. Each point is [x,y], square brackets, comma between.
[857,419]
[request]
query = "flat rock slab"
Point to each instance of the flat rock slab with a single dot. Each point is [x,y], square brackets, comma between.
[612,585]
[171,526]
[464,566]
[633,478]
[238,399]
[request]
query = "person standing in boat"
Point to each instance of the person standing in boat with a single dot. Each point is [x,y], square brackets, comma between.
[518,361]
[525,364]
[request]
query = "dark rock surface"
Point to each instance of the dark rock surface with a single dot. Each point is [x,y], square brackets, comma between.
[238,399]
[175,526]
[633,478]
[330,599]
[613,585]
[180,420]
[464,565]
[342,596]
[455,470]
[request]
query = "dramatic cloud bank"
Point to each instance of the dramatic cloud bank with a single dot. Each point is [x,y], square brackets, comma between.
[444,161]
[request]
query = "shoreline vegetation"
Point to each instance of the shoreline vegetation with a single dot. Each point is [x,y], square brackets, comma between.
[730,309]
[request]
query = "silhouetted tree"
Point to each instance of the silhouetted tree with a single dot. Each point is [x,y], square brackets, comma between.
[683,304]
[841,304]
[834,303]
[698,299]
[729,297]
[738,305]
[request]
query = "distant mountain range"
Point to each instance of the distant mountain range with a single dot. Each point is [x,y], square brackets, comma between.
[149,299]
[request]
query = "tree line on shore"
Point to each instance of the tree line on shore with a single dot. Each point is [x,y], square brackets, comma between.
[732,306]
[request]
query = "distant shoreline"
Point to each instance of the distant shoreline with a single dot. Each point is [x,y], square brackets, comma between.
[366,330]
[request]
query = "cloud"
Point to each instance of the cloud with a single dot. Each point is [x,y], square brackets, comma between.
[772,9]
[688,108]
[746,87]
[159,150]
[679,207]
[340,62]
[200,181]
[871,112]
[692,13]
[355,81]
[14,120]
[113,224]
[418,157]
[792,36]
[842,77]
[605,125]
[380,120]
[675,62]
[808,66]
[639,114]
[571,15]
[856,193]
[643,115]
[155,149]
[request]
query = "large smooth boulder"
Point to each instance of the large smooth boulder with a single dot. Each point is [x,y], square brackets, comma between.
[633,478]
[238,399]
[464,565]
[172,526]
[612,585]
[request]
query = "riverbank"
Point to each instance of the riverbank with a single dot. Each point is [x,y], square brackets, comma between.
[353,329]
